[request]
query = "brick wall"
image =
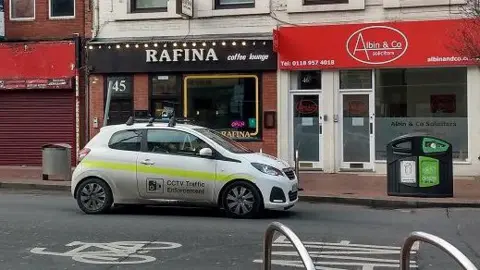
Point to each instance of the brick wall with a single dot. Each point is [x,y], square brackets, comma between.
[141,95]
[269,103]
[96,101]
[44,28]
[140,92]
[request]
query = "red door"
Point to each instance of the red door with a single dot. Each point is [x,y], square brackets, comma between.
[32,118]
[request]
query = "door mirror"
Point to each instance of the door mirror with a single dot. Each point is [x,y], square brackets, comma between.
[206,152]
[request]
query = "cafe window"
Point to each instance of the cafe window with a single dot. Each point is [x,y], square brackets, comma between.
[165,92]
[427,100]
[121,103]
[227,103]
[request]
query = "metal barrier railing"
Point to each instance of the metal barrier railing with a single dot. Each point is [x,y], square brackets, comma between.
[297,243]
[435,241]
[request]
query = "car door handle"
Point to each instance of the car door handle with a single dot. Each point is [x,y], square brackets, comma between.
[147,162]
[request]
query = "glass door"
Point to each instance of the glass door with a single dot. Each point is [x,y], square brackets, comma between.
[357,130]
[307,129]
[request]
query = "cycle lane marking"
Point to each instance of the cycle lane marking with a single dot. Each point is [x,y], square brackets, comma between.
[119,252]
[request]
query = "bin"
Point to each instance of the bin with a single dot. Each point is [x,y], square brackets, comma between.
[419,165]
[56,161]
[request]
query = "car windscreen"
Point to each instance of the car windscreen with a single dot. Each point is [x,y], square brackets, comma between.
[223,141]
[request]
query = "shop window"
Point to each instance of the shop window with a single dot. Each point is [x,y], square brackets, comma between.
[220,4]
[148,5]
[165,95]
[306,80]
[22,9]
[430,100]
[227,103]
[121,102]
[62,8]
[356,79]
[324,2]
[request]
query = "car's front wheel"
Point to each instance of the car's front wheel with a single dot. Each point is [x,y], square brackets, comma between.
[241,200]
[94,196]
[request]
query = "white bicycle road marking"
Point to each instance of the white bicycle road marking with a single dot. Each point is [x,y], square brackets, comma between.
[340,255]
[121,252]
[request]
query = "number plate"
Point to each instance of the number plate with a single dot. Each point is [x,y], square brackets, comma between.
[294,188]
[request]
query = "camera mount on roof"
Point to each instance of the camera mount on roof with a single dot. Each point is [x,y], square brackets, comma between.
[167,118]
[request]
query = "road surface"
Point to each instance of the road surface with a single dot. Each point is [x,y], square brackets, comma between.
[46,230]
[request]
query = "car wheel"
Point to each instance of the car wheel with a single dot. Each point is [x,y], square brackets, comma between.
[241,200]
[94,196]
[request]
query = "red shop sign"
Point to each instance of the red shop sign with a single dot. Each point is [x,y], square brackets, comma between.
[389,44]
[40,60]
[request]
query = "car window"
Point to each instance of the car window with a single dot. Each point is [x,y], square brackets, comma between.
[224,141]
[177,142]
[127,140]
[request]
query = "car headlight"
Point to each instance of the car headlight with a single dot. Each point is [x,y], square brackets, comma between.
[267,169]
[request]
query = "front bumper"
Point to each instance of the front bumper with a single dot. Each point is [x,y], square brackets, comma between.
[280,195]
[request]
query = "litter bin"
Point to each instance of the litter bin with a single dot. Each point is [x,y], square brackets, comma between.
[419,165]
[56,161]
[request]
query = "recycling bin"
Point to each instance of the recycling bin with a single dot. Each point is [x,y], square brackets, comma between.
[56,161]
[419,165]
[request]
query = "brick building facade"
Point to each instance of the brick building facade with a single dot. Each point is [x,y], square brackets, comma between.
[42,77]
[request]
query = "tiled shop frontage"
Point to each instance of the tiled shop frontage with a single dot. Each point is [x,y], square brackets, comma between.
[227,85]
[347,90]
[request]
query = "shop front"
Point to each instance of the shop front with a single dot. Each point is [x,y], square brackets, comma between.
[37,100]
[226,85]
[350,89]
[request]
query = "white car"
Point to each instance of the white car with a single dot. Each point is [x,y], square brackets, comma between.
[148,163]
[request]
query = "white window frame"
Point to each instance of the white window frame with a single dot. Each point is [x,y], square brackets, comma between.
[122,12]
[207,8]
[297,6]
[61,17]
[22,19]
[420,3]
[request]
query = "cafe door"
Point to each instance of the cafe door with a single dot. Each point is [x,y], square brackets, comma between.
[307,120]
[357,130]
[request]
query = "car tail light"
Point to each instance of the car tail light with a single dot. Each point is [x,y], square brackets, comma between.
[83,153]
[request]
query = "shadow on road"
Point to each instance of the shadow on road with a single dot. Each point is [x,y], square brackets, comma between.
[173,210]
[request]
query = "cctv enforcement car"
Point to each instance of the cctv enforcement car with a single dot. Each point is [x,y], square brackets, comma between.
[148,163]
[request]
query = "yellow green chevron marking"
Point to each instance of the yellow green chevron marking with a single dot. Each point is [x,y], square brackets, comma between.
[119,166]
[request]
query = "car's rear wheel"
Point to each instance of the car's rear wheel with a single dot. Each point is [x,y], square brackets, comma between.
[94,196]
[241,200]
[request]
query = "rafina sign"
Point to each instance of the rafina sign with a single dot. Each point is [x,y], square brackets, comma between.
[388,44]
[188,56]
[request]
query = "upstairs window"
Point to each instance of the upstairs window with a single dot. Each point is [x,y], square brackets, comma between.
[223,4]
[22,9]
[62,8]
[324,2]
[148,6]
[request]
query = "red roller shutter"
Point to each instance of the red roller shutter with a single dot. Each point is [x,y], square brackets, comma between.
[32,118]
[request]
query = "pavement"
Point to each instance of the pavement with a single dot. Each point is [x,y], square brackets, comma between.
[46,230]
[346,188]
